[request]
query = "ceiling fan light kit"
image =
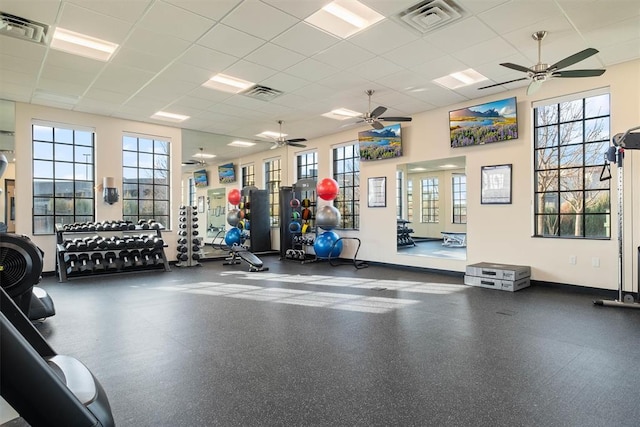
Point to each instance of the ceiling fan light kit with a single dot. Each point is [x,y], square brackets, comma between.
[541,72]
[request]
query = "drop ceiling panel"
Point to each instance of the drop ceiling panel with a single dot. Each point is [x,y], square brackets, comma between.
[10,77]
[342,81]
[305,39]
[621,52]
[478,6]
[191,102]
[74,63]
[166,90]
[418,52]
[22,49]
[486,52]
[28,67]
[383,37]
[186,73]
[249,71]
[66,89]
[440,97]
[440,67]
[375,68]
[311,70]
[122,79]
[461,34]
[231,41]
[405,80]
[343,55]
[96,107]
[389,7]
[611,35]
[284,82]
[259,19]
[518,14]
[141,60]
[125,10]
[156,43]
[85,21]
[599,13]
[274,56]
[206,58]
[107,96]
[297,8]
[66,74]
[211,9]
[162,17]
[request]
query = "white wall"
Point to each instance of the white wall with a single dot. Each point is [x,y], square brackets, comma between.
[108,154]
[496,233]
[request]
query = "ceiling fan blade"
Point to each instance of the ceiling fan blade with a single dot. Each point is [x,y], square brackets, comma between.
[578,73]
[534,86]
[576,57]
[377,111]
[395,119]
[503,83]
[295,140]
[274,146]
[295,144]
[516,67]
[377,125]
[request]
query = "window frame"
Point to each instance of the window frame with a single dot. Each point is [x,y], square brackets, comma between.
[349,207]
[430,207]
[457,217]
[273,188]
[248,175]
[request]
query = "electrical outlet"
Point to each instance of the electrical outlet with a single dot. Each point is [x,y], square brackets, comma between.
[595,262]
[573,260]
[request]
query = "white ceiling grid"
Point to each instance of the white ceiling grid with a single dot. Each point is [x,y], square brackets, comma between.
[169,48]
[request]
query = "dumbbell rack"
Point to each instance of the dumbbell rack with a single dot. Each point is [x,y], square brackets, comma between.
[189,244]
[121,250]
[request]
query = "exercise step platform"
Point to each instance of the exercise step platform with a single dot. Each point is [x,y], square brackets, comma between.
[504,277]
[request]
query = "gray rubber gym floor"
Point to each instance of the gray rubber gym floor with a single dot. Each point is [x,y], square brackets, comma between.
[304,345]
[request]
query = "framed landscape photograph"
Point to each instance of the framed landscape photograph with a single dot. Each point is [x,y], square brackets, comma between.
[496,185]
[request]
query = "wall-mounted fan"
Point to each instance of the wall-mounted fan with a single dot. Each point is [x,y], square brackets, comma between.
[373,117]
[281,141]
[542,72]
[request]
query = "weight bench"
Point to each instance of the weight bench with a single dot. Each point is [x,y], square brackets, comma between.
[454,239]
[239,252]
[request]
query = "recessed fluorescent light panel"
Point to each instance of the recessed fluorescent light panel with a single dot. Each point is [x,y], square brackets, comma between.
[344,18]
[170,117]
[83,45]
[228,83]
[342,114]
[269,134]
[203,156]
[448,166]
[241,144]
[460,79]
[417,169]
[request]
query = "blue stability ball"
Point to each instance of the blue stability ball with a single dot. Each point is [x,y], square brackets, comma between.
[233,236]
[324,242]
[328,217]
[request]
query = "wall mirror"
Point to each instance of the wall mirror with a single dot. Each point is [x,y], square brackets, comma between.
[7,181]
[431,208]
[215,208]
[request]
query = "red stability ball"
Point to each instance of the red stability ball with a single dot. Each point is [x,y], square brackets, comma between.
[234,196]
[327,189]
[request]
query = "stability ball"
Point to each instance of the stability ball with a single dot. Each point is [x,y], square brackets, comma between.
[233,236]
[233,216]
[324,242]
[234,196]
[328,217]
[327,189]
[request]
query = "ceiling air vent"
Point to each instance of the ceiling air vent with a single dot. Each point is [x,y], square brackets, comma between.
[430,15]
[22,28]
[262,93]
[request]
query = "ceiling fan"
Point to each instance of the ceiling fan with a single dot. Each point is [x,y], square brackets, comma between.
[373,117]
[542,72]
[281,141]
[199,161]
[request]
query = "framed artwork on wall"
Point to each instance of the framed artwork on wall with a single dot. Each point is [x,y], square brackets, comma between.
[377,192]
[200,204]
[496,185]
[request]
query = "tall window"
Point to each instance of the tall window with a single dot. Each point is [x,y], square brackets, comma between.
[307,166]
[272,173]
[569,141]
[409,200]
[346,171]
[63,178]
[399,186]
[145,176]
[430,200]
[248,176]
[459,193]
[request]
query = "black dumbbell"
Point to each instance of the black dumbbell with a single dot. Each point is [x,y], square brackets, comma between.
[70,245]
[125,258]
[81,245]
[194,219]
[195,232]
[110,261]
[97,260]
[70,261]
[85,262]
[182,233]
[182,219]
[182,241]
[136,259]
[182,225]
[195,257]
[182,257]
[156,257]
[183,248]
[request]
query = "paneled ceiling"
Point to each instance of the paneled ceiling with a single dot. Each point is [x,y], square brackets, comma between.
[169,48]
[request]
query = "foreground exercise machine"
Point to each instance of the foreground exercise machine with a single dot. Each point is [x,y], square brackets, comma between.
[628,141]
